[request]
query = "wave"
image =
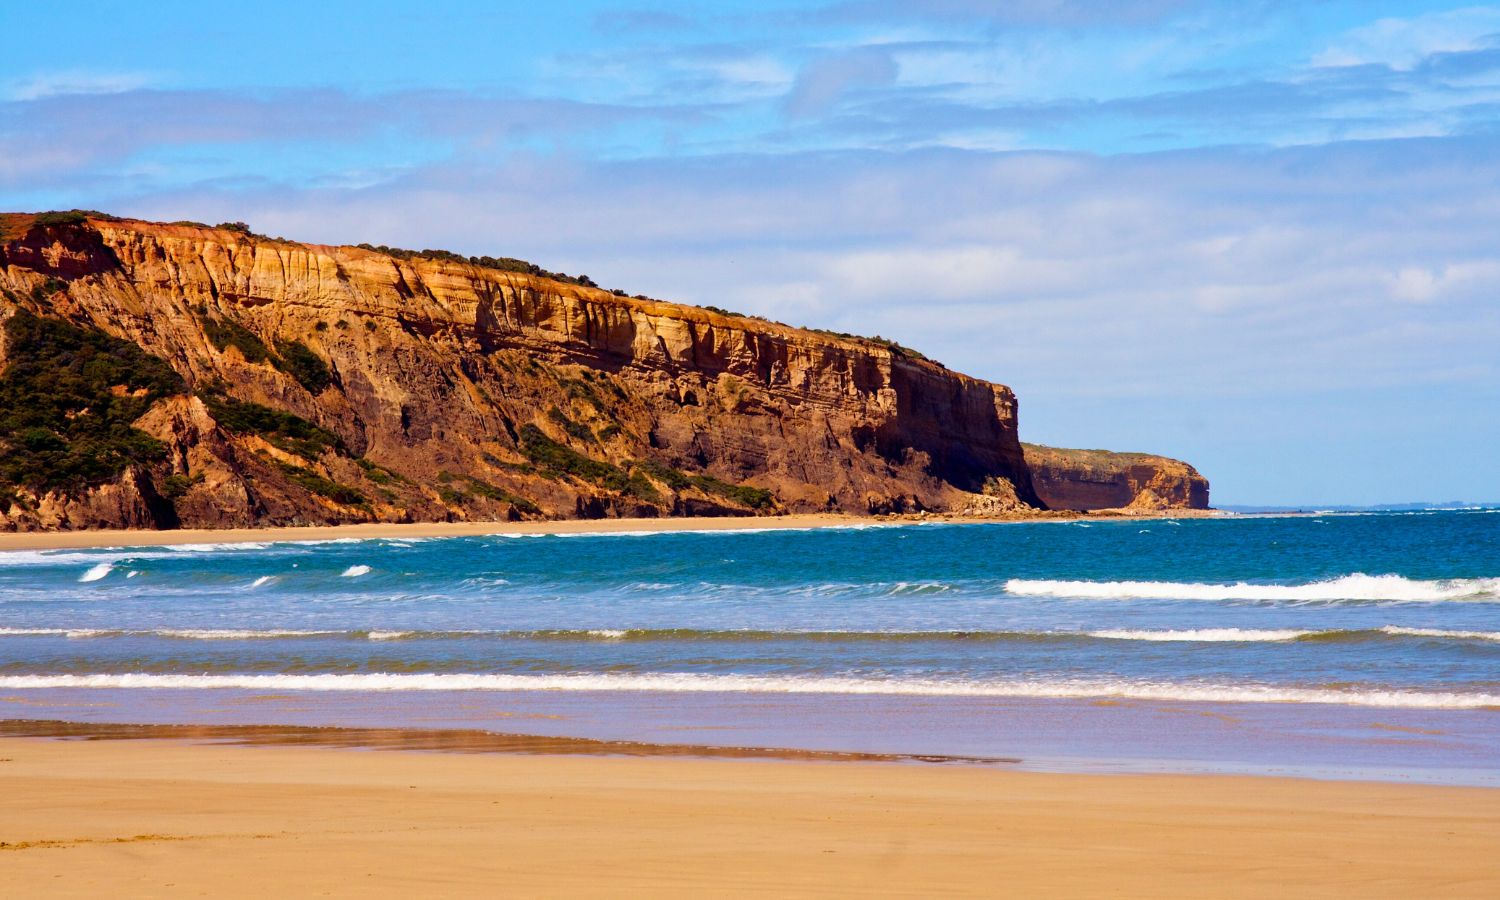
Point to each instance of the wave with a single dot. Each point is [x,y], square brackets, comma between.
[1442,633]
[96,572]
[355,571]
[1358,587]
[1208,635]
[196,634]
[754,684]
[1183,635]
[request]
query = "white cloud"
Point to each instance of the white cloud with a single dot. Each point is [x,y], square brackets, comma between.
[1417,284]
[1402,43]
[53,84]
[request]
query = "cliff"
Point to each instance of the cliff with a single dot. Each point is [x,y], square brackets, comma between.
[1100,479]
[182,375]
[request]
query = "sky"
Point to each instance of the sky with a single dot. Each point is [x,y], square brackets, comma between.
[1262,235]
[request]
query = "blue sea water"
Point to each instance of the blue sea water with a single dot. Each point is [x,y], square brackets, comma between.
[1358,645]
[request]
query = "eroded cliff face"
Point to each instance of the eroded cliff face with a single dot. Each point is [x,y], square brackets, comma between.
[437,389]
[1100,479]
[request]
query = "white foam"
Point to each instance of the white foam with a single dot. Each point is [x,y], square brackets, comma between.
[1348,587]
[201,634]
[215,548]
[49,558]
[96,573]
[1206,635]
[1442,633]
[264,579]
[355,571]
[609,634]
[231,634]
[695,683]
[389,635]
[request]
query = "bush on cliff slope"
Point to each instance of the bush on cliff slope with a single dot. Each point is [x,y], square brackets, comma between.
[67,398]
[282,430]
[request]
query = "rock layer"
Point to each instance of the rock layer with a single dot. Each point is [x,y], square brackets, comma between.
[453,390]
[1101,479]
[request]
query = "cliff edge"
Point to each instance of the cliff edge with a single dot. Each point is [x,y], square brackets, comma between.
[166,375]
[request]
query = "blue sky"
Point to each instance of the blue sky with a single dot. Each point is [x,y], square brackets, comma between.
[1259,235]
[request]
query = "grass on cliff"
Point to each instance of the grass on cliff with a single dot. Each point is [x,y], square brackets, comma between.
[478,487]
[499,263]
[676,479]
[549,456]
[281,430]
[314,483]
[67,398]
[292,357]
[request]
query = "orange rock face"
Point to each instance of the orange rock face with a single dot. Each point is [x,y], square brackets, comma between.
[458,391]
[1100,479]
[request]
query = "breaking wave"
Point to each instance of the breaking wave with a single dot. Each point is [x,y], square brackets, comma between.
[697,683]
[687,635]
[95,573]
[1207,635]
[1357,587]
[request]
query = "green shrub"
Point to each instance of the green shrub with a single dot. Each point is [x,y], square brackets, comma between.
[753,497]
[299,361]
[677,480]
[61,217]
[672,478]
[311,481]
[491,492]
[380,474]
[550,455]
[226,333]
[574,429]
[174,486]
[44,291]
[62,423]
[282,430]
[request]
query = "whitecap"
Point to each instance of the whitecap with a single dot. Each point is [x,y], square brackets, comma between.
[757,684]
[1393,588]
[1206,635]
[96,573]
[355,571]
[1443,633]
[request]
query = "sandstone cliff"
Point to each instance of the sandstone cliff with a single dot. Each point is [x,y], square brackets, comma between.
[319,384]
[1100,479]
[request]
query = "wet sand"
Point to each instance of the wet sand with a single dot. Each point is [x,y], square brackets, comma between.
[152,817]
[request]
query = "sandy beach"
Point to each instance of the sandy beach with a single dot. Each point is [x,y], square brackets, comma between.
[64,540]
[165,818]
[61,540]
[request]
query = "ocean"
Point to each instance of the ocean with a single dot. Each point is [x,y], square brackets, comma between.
[1340,645]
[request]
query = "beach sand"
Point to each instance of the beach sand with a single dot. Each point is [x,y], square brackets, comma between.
[61,540]
[161,818]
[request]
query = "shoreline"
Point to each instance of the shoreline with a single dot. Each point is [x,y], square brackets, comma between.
[91,539]
[151,817]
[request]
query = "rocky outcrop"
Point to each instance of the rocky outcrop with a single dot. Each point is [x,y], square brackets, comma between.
[1100,479]
[432,388]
